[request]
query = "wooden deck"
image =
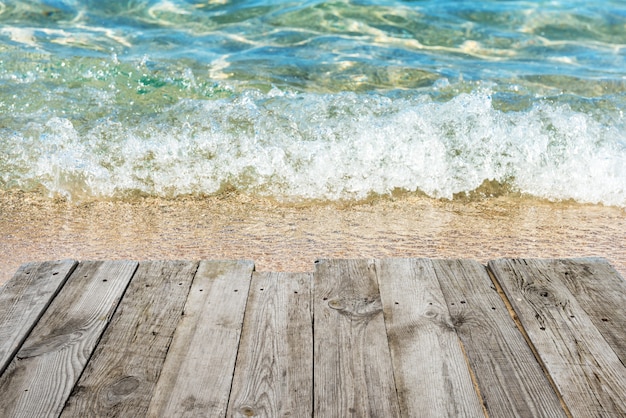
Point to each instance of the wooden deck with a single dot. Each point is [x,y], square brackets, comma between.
[384,338]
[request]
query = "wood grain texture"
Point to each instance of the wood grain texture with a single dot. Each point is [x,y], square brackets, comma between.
[274,371]
[198,370]
[41,376]
[122,374]
[510,379]
[24,299]
[601,292]
[432,377]
[352,364]
[588,373]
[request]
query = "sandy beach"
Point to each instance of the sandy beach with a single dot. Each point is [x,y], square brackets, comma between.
[290,237]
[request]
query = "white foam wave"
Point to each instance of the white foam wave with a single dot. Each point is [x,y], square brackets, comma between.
[340,146]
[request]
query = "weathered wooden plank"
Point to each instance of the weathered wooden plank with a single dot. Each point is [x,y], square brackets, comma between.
[587,372]
[41,376]
[274,371]
[122,373]
[352,364]
[431,373]
[198,370]
[509,377]
[601,292]
[24,299]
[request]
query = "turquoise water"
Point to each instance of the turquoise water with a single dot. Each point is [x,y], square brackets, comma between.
[313,99]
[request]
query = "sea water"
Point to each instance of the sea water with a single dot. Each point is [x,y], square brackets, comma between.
[314,100]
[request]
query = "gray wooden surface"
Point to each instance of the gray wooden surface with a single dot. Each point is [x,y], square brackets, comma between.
[390,337]
[432,377]
[197,374]
[353,373]
[275,361]
[510,380]
[122,374]
[24,300]
[586,370]
[42,374]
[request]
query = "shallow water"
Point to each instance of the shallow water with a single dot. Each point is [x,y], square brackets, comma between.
[280,237]
[287,131]
[313,100]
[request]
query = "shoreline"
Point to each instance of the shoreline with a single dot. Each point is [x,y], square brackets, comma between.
[290,237]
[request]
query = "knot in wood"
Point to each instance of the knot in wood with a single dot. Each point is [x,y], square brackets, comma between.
[247,410]
[50,344]
[123,387]
[430,313]
[357,309]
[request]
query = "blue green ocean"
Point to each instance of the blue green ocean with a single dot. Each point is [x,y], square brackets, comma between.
[314,100]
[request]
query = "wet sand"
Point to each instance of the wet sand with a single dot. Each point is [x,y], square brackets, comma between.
[290,237]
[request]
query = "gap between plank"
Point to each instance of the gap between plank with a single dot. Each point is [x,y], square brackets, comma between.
[243,321]
[180,317]
[465,357]
[393,369]
[119,301]
[472,375]
[519,325]
[312,310]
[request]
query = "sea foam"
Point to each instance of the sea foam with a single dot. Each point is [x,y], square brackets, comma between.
[296,146]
